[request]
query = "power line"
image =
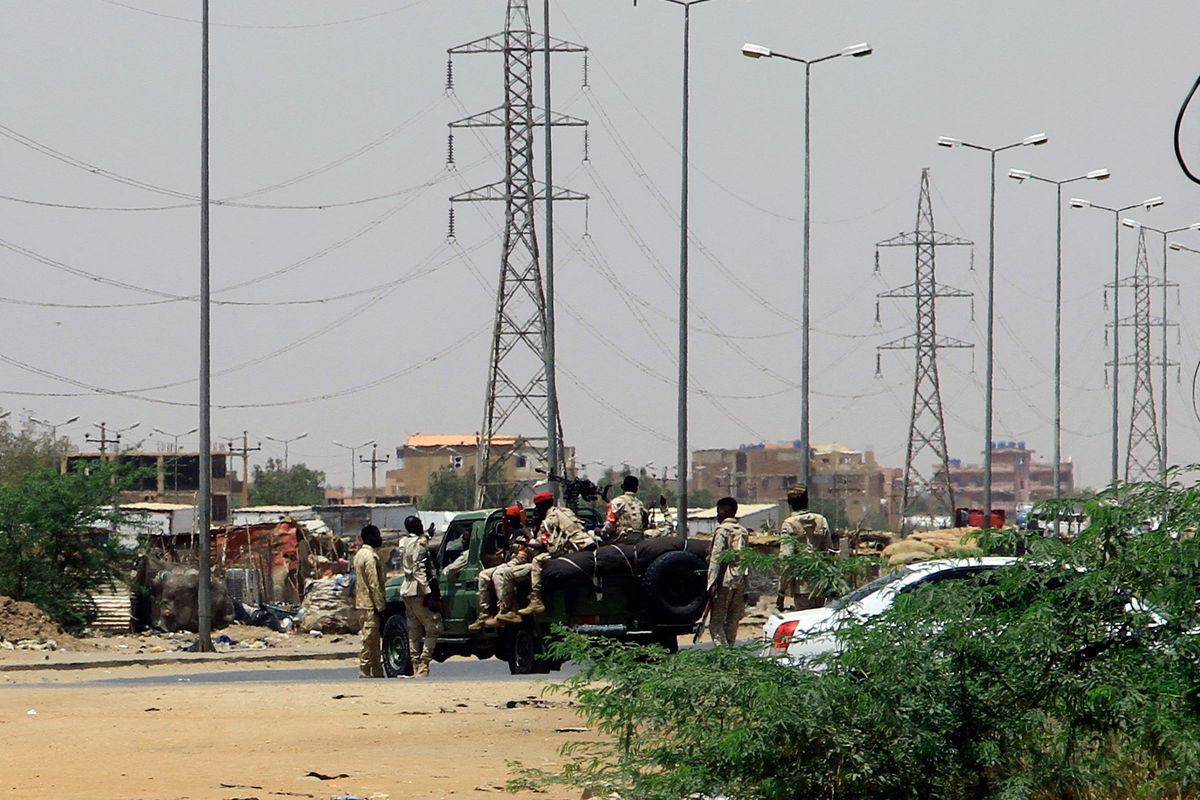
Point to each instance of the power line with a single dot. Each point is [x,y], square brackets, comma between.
[245,26]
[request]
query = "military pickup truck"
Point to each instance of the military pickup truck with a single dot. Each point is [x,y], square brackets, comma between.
[652,593]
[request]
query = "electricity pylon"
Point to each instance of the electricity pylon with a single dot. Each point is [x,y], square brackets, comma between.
[1143,450]
[518,388]
[926,428]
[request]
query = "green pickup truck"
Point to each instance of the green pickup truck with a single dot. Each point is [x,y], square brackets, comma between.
[652,593]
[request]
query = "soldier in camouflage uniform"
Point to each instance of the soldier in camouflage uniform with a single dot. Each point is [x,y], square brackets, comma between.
[516,553]
[559,532]
[419,589]
[731,580]
[369,601]
[627,517]
[809,530]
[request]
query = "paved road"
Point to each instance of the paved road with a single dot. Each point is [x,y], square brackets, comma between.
[456,669]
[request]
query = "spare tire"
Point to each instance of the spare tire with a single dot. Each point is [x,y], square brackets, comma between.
[674,586]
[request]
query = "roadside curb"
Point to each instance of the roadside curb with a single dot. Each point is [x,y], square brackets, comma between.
[193,658]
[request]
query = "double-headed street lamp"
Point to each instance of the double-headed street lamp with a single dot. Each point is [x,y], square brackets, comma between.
[53,426]
[946,141]
[1022,176]
[758,51]
[1130,223]
[1149,203]
[352,448]
[285,443]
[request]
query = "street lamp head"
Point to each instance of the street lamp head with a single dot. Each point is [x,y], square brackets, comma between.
[1098,175]
[1175,246]
[1153,202]
[1035,139]
[301,436]
[946,141]
[1020,174]
[1131,223]
[750,50]
[1078,203]
[857,50]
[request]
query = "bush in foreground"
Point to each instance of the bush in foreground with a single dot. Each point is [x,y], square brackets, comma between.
[1074,675]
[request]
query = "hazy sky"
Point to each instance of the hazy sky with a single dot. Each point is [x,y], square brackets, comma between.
[327,104]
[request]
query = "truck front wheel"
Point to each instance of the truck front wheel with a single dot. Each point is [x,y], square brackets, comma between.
[526,651]
[397,660]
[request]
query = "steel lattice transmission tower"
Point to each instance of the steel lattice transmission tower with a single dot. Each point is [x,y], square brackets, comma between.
[926,430]
[1143,453]
[518,391]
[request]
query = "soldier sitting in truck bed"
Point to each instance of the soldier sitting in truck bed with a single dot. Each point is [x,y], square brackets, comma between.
[495,602]
[559,532]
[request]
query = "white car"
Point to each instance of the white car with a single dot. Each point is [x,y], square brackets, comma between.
[798,636]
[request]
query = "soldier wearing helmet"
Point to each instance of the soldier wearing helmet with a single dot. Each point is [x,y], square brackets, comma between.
[422,601]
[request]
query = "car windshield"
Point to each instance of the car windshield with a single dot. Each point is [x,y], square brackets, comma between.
[867,588]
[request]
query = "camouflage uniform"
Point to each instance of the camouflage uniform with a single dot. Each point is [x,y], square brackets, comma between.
[729,604]
[626,520]
[812,531]
[369,602]
[488,584]
[563,532]
[424,623]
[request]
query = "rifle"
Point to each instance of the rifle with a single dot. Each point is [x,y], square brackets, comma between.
[710,595]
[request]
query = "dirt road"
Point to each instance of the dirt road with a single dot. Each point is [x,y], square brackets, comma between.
[395,739]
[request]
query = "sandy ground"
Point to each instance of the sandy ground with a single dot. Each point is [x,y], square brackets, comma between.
[396,739]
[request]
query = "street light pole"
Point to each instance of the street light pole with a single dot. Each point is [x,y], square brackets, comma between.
[758,51]
[946,141]
[285,443]
[1148,204]
[352,449]
[1129,223]
[682,400]
[175,461]
[1021,176]
[54,426]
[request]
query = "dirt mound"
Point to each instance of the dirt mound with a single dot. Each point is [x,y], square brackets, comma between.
[22,621]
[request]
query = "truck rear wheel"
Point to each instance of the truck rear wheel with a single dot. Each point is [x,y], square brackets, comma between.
[674,586]
[397,660]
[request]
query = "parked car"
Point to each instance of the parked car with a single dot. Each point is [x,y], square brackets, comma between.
[798,636]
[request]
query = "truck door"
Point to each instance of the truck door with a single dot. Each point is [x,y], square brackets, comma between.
[458,592]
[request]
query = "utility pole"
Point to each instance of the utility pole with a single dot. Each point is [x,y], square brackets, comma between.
[244,451]
[103,440]
[926,427]
[520,380]
[374,461]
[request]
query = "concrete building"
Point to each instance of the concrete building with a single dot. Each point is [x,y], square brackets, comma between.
[762,473]
[1016,479]
[173,477]
[423,454]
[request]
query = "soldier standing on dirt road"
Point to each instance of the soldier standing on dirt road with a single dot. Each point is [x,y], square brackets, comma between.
[730,581]
[626,520]
[809,530]
[369,600]
[422,601]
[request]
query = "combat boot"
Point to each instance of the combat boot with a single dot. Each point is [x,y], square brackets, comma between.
[535,607]
[484,620]
[508,618]
[421,669]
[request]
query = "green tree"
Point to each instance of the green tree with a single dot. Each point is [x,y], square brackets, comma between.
[53,554]
[295,486]
[1072,675]
[27,448]
[449,489]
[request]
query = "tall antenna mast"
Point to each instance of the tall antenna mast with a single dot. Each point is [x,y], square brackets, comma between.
[926,428]
[519,384]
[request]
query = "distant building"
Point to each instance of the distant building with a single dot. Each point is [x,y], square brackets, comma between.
[172,477]
[1016,479]
[423,454]
[762,473]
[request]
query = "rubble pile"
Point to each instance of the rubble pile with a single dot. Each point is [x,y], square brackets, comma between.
[24,626]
